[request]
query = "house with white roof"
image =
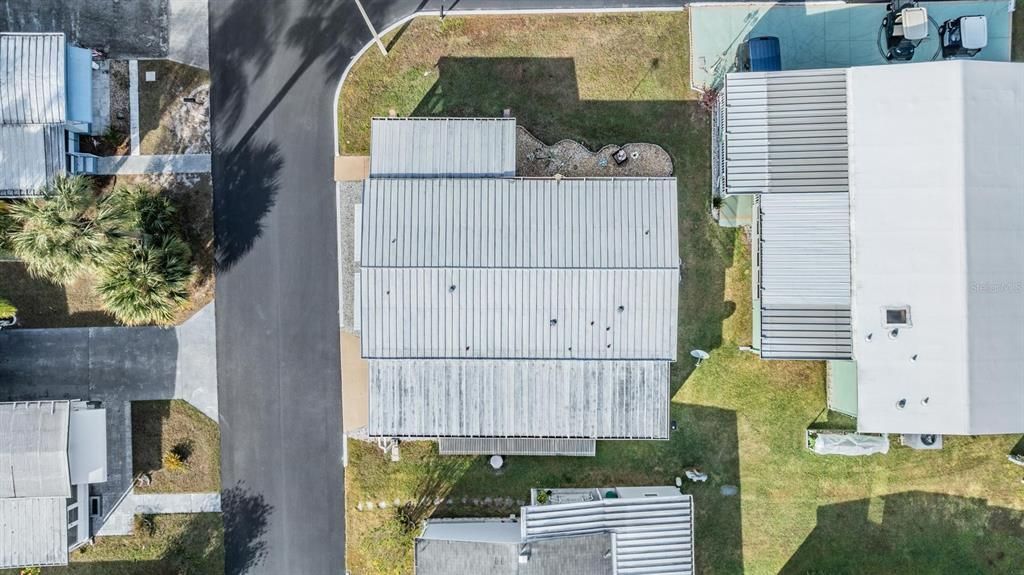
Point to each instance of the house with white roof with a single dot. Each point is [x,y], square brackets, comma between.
[45,100]
[610,531]
[511,315]
[51,452]
[889,205]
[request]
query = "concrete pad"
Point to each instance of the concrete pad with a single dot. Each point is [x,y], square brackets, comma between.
[189,32]
[822,35]
[351,168]
[355,384]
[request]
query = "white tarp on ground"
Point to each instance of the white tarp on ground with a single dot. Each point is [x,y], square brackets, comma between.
[850,444]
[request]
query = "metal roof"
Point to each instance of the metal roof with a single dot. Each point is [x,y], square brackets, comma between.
[30,157]
[804,275]
[33,531]
[587,554]
[32,79]
[936,220]
[651,534]
[481,398]
[786,132]
[501,313]
[521,223]
[516,446]
[442,147]
[34,455]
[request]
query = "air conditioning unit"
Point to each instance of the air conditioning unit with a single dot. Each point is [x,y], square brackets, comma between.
[921,440]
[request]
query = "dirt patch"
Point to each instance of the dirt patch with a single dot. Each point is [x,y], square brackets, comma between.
[174,109]
[572,159]
[160,428]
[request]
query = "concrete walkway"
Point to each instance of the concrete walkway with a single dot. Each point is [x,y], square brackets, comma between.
[176,502]
[188,32]
[133,105]
[114,363]
[159,164]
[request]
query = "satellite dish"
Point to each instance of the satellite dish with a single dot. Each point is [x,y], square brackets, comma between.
[700,355]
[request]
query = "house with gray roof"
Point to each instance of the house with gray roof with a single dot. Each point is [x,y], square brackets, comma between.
[612,531]
[45,99]
[888,200]
[51,452]
[511,315]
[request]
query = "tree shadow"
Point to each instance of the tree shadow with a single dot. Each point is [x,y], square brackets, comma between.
[543,94]
[914,533]
[247,184]
[246,516]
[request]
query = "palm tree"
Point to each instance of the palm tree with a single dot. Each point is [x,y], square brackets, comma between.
[147,280]
[61,234]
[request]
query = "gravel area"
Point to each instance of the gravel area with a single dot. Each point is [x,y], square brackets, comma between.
[573,160]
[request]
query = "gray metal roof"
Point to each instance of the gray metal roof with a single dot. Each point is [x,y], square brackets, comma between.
[516,446]
[652,534]
[786,132]
[33,531]
[521,223]
[519,313]
[30,157]
[582,555]
[804,275]
[442,147]
[34,454]
[482,398]
[32,79]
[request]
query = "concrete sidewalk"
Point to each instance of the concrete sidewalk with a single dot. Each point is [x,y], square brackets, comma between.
[159,164]
[113,363]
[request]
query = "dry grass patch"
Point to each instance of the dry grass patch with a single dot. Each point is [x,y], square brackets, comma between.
[177,446]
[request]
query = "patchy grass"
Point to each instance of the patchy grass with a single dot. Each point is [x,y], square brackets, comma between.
[42,304]
[161,99]
[177,445]
[615,79]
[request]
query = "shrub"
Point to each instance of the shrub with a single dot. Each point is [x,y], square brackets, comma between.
[7,309]
[172,462]
[63,233]
[184,449]
[30,571]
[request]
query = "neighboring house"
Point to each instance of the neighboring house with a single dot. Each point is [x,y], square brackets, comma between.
[45,101]
[888,203]
[51,452]
[511,315]
[616,531]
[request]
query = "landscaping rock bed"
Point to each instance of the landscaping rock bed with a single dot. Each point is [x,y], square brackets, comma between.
[534,159]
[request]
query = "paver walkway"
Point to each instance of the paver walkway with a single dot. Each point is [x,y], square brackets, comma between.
[113,363]
[156,164]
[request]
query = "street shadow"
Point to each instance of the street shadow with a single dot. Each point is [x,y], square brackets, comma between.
[912,533]
[247,184]
[245,515]
[543,94]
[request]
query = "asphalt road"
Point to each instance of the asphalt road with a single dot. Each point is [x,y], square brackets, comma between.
[275,67]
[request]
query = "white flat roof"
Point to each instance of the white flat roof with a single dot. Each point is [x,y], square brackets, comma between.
[937,220]
[34,450]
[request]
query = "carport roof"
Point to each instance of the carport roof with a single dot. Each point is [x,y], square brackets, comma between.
[32,78]
[34,454]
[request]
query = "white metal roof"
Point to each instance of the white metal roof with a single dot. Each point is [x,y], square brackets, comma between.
[442,147]
[804,257]
[32,79]
[521,223]
[33,531]
[651,534]
[34,453]
[482,398]
[30,156]
[937,165]
[786,132]
[87,446]
[501,313]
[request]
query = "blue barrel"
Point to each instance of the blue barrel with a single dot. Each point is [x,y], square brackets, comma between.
[765,55]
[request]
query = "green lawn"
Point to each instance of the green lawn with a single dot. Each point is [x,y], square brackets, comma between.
[616,79]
